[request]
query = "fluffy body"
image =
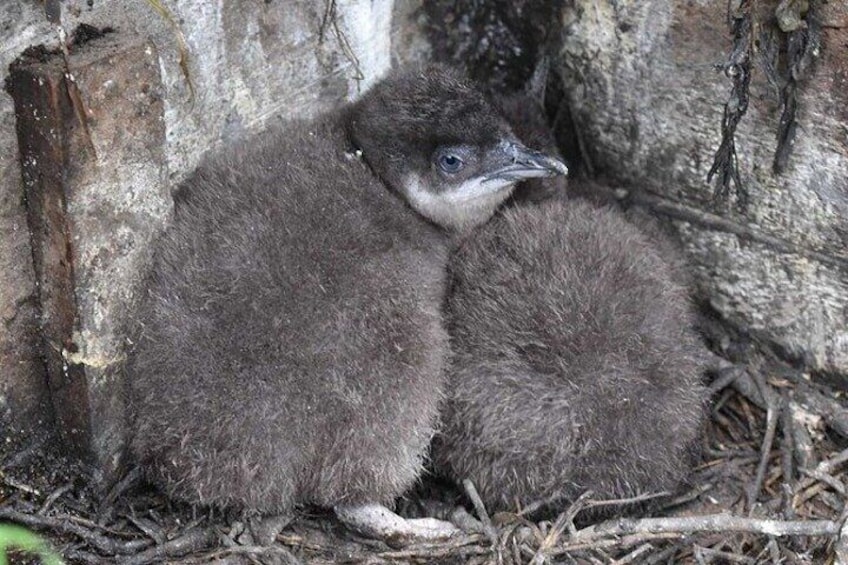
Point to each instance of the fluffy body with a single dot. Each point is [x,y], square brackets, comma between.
[290,347]
[575,363]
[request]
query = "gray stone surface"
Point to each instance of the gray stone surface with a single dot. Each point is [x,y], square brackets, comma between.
[23,398]
[248,62]
[648,102]
[410,45]
[97,197]
[23,383]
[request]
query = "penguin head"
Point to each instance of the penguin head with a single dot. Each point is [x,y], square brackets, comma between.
[434,138]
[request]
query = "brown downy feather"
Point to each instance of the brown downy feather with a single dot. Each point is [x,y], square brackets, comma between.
[575,366]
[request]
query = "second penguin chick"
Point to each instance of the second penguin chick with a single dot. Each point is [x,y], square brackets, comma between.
[576,366]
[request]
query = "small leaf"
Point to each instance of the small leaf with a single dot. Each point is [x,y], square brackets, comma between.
[17,537]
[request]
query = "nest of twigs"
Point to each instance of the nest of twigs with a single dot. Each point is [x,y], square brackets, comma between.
[770,489]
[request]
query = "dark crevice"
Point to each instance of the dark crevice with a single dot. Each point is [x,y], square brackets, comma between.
[497,42]
[85,33]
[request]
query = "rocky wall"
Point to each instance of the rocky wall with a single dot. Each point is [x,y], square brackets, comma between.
[221,69]
[647,83]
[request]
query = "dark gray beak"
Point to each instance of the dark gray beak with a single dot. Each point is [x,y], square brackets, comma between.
[512,161]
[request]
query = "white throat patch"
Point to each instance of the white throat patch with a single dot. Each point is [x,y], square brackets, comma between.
[469,205]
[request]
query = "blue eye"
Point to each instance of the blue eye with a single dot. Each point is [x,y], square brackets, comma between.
[450,163]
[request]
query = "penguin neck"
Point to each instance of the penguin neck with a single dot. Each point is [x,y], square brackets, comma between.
[458,211]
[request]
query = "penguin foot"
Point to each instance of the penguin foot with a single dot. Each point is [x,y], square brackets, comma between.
[377,521]
[264,529]
[466,522]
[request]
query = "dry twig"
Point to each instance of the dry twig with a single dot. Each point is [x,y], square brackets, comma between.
[709,523]
[773,411]
[101,543]
[488,528]
[195,540]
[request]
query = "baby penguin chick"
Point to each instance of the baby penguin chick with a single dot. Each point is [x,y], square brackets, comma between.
[575,363]
[290,347]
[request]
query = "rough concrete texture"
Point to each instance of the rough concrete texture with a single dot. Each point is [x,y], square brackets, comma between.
[647,100]
[247,62]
